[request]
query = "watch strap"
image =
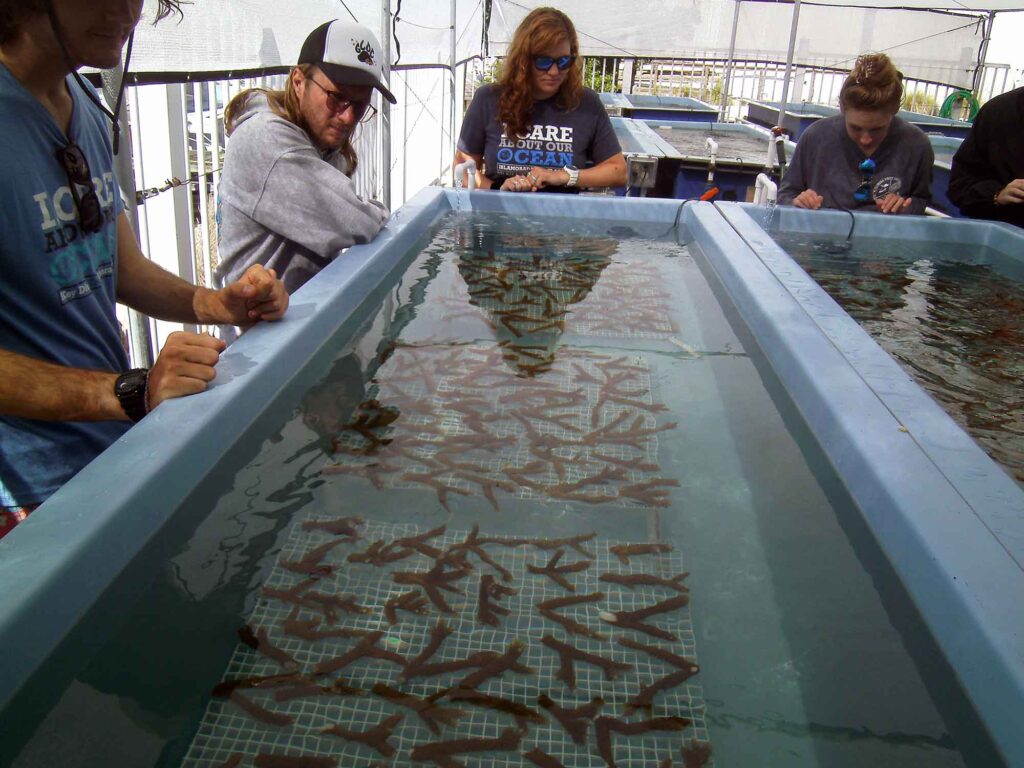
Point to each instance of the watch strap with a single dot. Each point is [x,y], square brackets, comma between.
[132,391]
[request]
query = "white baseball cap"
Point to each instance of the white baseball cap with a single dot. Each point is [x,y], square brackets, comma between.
[348,53]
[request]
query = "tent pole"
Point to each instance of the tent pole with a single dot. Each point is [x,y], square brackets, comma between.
[979,71]
[385,109]
[789,60]
[124,169]
[727,80]
[451,112]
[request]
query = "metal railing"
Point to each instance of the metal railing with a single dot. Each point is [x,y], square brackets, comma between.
[758,79]
[177,133]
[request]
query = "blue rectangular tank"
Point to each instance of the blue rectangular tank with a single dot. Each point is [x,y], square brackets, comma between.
[669,108]
[743,154]
[801,115]
[855,563]
[614,103]
[798,116]
[651,107]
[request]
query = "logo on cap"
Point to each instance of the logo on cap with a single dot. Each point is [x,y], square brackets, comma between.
[364,52]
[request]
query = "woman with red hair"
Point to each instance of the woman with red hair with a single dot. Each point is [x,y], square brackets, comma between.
[539,129]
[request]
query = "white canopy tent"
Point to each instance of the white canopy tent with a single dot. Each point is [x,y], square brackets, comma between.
[220,45]
[929,40]
[934,40]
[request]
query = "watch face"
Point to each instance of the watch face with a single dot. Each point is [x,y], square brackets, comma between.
[130,382]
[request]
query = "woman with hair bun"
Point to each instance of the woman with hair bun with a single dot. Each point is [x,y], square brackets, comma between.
[865,157]
[539,129]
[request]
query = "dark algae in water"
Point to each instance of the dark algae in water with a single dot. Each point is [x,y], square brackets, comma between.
[952,320]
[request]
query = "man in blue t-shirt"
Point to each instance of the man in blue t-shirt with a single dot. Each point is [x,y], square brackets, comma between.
[68,253]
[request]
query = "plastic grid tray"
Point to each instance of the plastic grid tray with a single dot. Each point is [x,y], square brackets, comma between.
[226,729]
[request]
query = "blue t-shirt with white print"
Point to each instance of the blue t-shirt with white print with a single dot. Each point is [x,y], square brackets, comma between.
[59,282]
[580,137]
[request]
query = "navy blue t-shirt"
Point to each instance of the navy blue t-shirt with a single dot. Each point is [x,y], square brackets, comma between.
[59,282]
[581,137]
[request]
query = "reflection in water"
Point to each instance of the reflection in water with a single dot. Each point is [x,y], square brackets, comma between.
[957,327]
[616,470]
[526,282]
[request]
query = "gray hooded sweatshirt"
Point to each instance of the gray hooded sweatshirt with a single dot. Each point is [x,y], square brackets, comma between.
[827,159]
[285,204]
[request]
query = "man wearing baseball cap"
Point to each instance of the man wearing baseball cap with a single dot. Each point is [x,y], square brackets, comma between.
[287,199]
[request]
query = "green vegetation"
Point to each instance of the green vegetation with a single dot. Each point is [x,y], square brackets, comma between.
[492,72]
[592,77]
[919,101]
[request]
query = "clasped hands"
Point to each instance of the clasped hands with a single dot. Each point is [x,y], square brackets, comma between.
[536,179]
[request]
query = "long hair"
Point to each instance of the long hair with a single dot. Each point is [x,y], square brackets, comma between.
[284,104]
[874,83]
[14,13]
[541,30]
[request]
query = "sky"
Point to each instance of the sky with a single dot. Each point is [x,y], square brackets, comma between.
[1005,46]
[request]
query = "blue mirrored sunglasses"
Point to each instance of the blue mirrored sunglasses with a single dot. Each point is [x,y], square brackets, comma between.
[543,63]
[867,170]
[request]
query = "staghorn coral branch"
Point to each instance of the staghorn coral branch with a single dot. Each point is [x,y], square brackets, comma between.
[633,580]
[570,654]
[491,591]
[376,738]
[625,551]
[555,572]
[441,752]
[604,727]
[575,721]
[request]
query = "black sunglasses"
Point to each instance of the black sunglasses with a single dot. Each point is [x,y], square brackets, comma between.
[363,111]
[543,63]
[90,213]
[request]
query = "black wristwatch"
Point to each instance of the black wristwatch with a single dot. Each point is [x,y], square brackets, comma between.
[131,388]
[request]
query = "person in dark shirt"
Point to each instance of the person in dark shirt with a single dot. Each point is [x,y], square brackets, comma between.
[987,177]
[539,128]
[864,158]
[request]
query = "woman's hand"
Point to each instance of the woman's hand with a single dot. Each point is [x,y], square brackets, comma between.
[548,177]
[809,199]
[519,184]
[893,203]
[1011,194]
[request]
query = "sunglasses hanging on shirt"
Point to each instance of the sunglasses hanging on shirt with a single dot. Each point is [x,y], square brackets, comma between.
[543,63]
[90,212]
[867,171]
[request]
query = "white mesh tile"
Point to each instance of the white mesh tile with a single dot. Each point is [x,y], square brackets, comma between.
[227,729]
[467,422]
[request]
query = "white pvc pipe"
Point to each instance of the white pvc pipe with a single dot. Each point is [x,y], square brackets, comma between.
[712,145]
[773,152]
[769,162]
[766,191]
[467,167]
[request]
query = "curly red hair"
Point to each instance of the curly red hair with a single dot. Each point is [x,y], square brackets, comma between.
[540,31]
